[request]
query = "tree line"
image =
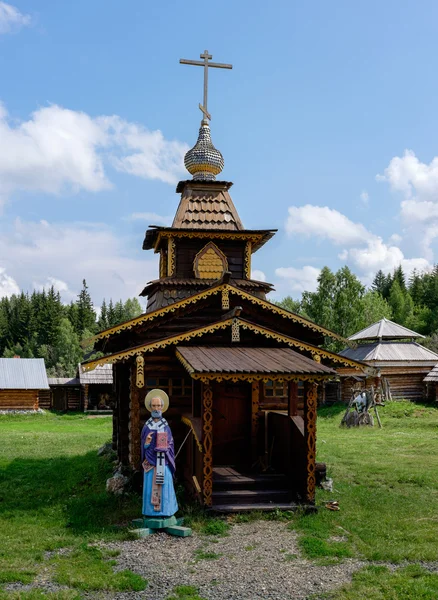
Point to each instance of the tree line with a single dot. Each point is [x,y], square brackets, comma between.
[344,305]
[40,326]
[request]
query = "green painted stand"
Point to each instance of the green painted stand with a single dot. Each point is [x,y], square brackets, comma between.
[171,525]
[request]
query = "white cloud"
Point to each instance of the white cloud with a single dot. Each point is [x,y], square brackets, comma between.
[365,250]
[395,238]
[64,254]
[151,218]
[299,280]
[258,275]
[8,285]
[365,197]
[59,150]
[11,19]
[408,175]
[418,184]
[325,223]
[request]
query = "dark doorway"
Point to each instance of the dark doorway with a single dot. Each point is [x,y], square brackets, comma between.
[59,398]
[232,425]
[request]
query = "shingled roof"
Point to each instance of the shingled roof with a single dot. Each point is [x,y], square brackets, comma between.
[385,330]
[206,205]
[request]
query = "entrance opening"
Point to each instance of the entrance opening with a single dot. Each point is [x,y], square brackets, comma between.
[232,425]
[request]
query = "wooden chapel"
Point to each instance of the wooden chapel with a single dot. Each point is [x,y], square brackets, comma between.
[241,372]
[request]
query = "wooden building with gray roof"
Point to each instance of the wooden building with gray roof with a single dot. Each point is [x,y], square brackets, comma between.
[22,381]
[396,355]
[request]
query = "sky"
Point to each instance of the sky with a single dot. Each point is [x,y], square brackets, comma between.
[328,125]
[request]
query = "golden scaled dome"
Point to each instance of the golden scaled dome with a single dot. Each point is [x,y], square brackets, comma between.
[203,161]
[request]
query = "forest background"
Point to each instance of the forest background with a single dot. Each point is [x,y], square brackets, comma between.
[39,325]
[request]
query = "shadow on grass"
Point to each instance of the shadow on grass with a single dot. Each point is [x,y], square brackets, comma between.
[72,487]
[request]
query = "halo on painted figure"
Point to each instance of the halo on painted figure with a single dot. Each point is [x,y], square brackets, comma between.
[161,394]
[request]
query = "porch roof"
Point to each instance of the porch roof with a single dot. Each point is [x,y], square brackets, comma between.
[232,359]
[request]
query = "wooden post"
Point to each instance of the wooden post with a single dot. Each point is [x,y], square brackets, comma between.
[255,405]
[86,396]
[310,435]
[134,420]
[207,442]
[293,399]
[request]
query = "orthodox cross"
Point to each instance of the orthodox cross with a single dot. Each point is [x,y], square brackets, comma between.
[204,63]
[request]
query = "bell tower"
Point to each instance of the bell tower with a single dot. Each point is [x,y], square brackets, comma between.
[207,240]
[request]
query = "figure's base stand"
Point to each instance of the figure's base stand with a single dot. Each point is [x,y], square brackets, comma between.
[171,525]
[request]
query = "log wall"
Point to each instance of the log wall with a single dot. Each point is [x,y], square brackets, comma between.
[18,399]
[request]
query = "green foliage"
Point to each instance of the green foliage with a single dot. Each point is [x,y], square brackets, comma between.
[384,480]
[215,527]
[201,554]
[40,326]
[288,303]
[89,568]
[40,595]
[185,592]
[379,583]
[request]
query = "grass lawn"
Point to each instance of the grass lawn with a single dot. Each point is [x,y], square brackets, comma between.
[52,496]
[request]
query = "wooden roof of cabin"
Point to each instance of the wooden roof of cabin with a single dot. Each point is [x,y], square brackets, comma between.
[387,351]
[23,374]
[232,359]
[385,329]
[432,377]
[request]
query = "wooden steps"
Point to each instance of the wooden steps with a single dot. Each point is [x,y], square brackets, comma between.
[233,491]
[263,507]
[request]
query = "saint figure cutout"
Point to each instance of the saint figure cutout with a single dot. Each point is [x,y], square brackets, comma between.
[158,458]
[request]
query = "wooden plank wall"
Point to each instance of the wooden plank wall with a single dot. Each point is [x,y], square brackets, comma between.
[186,250]
[44,399]
[19,399]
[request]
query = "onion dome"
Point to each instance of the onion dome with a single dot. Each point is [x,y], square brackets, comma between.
[203,161]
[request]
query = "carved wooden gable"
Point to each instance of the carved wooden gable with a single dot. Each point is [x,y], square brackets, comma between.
[210,262]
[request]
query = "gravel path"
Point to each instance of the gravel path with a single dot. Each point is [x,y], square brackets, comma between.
[258,560]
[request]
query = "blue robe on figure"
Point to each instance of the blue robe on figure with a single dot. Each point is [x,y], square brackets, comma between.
[149,452]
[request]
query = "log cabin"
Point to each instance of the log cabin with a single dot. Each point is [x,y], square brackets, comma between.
[392,350]
[22,382]
[241,372]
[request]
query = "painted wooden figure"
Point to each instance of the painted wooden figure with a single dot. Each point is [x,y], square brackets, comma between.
[158,459]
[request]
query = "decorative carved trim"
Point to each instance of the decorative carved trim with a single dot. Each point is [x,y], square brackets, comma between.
[255,406]
[286,314]
[188,422]
[225,299]
[210,262]
[316,357]
[248,252]
[205,294]
[250,377]
[255,238]
[140,371]
[311,441]
[207,418]
[163,263]
[171,257]
[113,358]
[134,422]
[188,335]
[235,331]
[269,333]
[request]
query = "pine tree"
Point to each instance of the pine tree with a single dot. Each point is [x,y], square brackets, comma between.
[102,323]
[379,283]
[86,317]
[400,277]
[111,316]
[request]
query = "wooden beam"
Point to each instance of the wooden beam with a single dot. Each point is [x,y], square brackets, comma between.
[310,434]
[207,443]
[255,407]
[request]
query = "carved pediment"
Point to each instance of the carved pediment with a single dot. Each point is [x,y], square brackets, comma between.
[210,262]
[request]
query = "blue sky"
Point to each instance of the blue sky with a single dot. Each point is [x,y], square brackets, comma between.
[327,123]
